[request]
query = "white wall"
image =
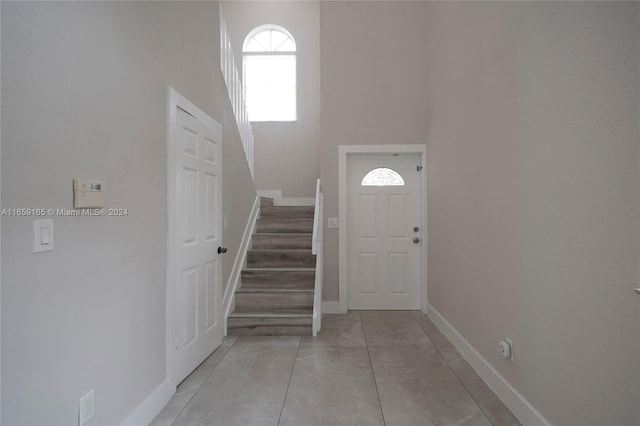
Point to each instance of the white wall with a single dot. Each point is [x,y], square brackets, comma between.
[530,115]
[84,93]
[296,172]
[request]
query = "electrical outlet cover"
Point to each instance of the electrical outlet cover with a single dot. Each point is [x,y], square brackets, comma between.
[86,408]
[510,342]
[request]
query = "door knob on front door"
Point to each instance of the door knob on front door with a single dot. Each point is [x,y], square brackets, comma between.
[222,250]
[416,240]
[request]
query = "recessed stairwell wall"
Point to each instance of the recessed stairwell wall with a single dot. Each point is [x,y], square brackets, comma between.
[286,154]
[372,78]
[84,94]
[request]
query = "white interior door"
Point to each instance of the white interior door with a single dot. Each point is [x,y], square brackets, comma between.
[384,231]
[199,228]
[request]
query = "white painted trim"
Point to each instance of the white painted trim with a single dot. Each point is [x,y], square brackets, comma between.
[174,101]
[331,307]
[343,152]
[520,407]
[342,235]
[279,200]
[241,256]
[318,251]
[0,262]
[236,90]
[150,407]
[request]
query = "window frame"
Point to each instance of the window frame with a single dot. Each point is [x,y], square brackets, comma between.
[271,53]
[389,170]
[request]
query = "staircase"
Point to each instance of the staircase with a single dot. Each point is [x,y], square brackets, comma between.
[276,295]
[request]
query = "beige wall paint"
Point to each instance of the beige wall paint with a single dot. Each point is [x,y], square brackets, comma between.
[84,93]
[296,172]
[530,115]
[373,70]
[533,197]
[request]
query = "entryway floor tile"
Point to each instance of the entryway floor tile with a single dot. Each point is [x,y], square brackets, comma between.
[364,368]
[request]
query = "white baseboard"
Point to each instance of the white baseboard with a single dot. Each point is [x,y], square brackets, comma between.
[520,407]
[150,407]
[279,200]
[331,307]
[238,263]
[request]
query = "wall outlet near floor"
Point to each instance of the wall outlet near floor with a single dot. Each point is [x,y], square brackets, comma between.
[86,408]
[505,348]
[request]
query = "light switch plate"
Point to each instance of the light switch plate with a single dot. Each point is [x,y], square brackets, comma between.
[42,235]
[332,222]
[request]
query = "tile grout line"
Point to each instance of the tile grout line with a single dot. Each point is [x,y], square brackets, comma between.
[373,374]
[450,345]
[438,347]
[375,382]
[426,333]
[286,392]
[464,385]
[205,379]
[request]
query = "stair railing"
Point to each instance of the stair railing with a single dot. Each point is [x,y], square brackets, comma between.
[317,244]
[235,88]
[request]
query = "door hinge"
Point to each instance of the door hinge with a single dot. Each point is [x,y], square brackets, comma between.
[418,167]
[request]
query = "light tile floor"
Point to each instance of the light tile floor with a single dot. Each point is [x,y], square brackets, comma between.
[365,368]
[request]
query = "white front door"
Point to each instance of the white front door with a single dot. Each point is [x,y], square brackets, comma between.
[384,231]
[199,229]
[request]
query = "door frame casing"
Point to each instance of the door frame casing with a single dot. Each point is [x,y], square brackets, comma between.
[175,101]
[344,151]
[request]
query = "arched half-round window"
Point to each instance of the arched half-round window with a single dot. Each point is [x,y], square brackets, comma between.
[382,177]
[269,64]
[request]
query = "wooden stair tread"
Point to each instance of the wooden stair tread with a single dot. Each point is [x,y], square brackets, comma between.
[280,250]
[266,202]
[266,289]
[270,240]
[281,234]
[277,288]
[276,285]
[270,312]
[292,208]
[293,211]
[283,269]
[286,219]
[284,226]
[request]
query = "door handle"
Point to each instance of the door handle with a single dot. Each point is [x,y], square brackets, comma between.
[222,250]
[416,240]
[637,290]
